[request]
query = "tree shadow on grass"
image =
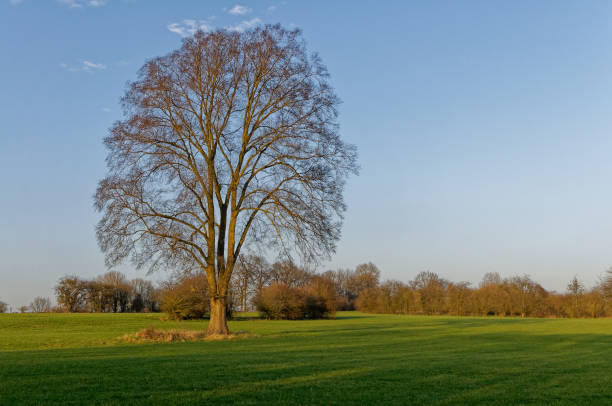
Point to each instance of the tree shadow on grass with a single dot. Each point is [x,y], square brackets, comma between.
[246,318]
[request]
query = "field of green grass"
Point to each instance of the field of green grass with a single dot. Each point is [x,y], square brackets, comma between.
[355,359]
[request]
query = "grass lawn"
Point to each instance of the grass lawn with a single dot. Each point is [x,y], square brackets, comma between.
[355,359]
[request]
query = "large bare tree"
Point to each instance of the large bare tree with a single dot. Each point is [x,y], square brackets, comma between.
[230,140]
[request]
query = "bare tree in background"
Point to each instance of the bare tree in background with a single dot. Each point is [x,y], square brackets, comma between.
[523,291]
[230,140]
[288,273]
[431,288]
[606,284]
[116,289]
[260,273]
[3,307]
[142,295]
[366,276]
[576,290]
[40,305]
[70,292]
[242,278]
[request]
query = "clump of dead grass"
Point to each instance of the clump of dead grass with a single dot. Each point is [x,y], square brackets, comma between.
[153,335]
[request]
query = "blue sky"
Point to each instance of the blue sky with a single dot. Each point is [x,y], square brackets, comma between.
[484,129]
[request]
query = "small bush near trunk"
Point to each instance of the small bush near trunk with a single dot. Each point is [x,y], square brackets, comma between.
[186,299]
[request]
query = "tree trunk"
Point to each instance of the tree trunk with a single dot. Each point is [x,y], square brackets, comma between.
[218,317]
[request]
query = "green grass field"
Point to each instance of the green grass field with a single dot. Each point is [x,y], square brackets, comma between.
[355,359]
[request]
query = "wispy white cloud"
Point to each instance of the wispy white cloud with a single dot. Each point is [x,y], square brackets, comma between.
[239,10]
[71,3]
[244,25]
[189,27]
[106,109]
[85,66]
[271,9]
[81,3]
[15,2]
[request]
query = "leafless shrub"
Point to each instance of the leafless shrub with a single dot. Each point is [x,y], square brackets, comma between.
[280,301]
[40,305]
[186,298]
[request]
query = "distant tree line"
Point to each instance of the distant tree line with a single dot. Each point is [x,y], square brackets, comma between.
[428,293]
[284,290]
[111,292]
[361,289]
[278,290]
